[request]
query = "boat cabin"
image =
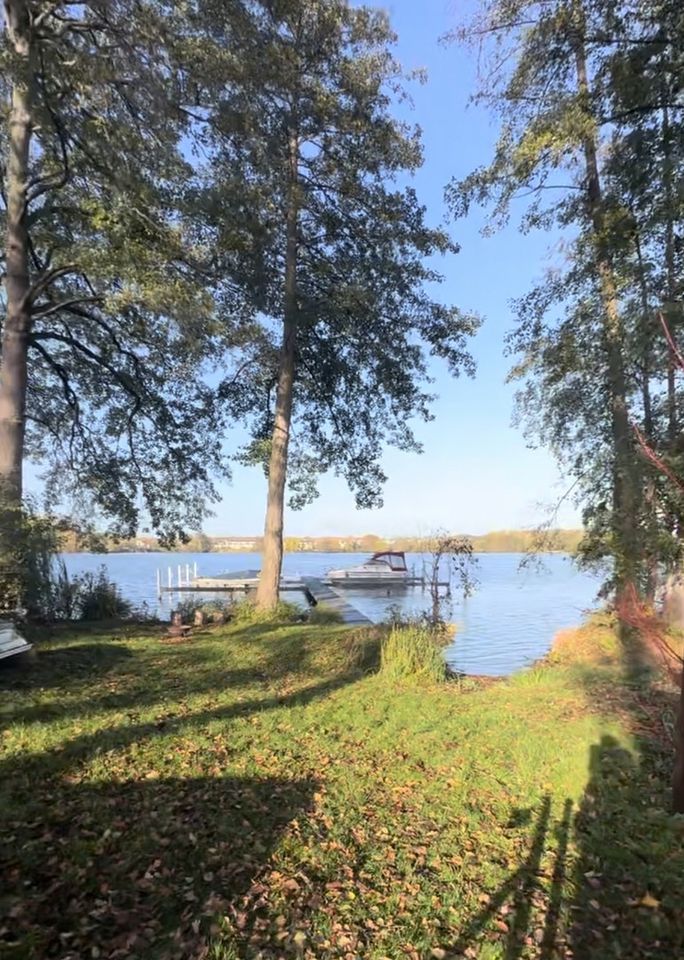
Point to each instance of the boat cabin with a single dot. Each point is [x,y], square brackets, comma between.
[394,559]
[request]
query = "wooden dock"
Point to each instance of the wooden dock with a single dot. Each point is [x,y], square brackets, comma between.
[244,581]
[320,592]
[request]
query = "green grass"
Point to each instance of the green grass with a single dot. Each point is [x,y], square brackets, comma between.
[262,791]
[412,652]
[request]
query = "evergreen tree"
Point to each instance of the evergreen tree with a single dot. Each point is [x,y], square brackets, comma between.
[327,241]
[571,98]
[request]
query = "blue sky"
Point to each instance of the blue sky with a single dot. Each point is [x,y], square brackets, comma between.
[476,473]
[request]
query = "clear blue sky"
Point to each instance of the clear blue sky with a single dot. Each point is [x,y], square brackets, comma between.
[476,473]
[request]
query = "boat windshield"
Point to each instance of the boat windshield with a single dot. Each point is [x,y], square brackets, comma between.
[395,561]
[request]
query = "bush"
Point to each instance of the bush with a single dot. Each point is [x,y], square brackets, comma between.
[95,597]
[413,651]
[245,611]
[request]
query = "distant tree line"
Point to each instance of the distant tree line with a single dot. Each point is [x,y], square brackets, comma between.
[498,541]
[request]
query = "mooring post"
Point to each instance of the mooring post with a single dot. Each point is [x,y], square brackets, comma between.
[170,578]
[195,570]
[187,574]
[159,590]
[180,577]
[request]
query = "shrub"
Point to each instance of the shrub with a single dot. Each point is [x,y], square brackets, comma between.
[245,611]
[413,651]
[95,597]
[360,649]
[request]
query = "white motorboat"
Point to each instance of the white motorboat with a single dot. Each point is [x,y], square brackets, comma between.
[386,568]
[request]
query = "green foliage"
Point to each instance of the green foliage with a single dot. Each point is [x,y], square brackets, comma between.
[246,612]
[321,74]
[33,578]
[95,597]
[123,320]
[320,615]
[413,652]
[592,140]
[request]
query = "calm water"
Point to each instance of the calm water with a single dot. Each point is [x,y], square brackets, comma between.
[509,622]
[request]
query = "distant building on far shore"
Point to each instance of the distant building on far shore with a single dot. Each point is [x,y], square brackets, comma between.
[236,543]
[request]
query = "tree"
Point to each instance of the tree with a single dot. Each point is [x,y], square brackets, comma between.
[333,249]
[447,556]
[198,543]
[110,314]
[564,80]
[592,116]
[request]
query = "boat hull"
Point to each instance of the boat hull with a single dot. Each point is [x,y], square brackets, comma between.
[358,578]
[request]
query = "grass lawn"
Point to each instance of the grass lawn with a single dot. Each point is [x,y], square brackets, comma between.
[261,791]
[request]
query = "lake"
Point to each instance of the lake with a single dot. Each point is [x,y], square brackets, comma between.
[509,622]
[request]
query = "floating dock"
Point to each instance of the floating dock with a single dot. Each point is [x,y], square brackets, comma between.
[245,581]
[238,582]
[320,592]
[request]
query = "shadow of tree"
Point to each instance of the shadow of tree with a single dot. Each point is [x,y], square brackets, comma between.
[515,898]
[17,773]
[78,663]
[137,869]
[629,878]
[115,676]
[616,886]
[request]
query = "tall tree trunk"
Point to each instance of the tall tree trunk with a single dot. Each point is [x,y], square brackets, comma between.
[624,493]
[272,557]
[13,359]
[650,554]
[670,293]
[678,772]
[673,417]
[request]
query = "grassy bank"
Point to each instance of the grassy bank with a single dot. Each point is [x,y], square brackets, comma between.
[262,792]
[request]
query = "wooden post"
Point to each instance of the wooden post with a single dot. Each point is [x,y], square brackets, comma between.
[187,574]
[195,570]
[170,579]
[159,590]
[180,577]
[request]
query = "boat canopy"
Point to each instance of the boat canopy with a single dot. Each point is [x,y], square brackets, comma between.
[394,559]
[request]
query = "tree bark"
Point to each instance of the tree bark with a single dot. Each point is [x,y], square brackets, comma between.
[678,772]
[650,553]
[624,493]
[272,557]
[673,417]
[13,356]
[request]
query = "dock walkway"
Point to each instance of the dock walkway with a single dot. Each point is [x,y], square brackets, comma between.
[246,581]
[323,593]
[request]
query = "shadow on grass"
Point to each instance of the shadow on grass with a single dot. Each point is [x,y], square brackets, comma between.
[17,773]
[77,663]
[604,880]
[112,675]
[137,869]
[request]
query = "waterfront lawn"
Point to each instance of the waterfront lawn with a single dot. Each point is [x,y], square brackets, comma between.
[261,791]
